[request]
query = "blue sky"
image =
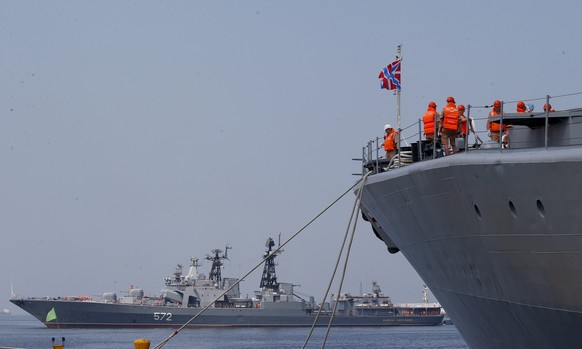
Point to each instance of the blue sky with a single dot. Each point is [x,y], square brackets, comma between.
[136,134]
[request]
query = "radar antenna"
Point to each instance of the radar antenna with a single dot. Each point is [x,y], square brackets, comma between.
[226,248]
[376,288]
[215,271]
[178,272]
[269,278]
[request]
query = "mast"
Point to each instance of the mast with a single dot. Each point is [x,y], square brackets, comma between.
[398,58]
[376,288]
[269,278]
[216,269]
[193,271]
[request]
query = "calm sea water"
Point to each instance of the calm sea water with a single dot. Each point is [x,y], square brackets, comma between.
[23,331]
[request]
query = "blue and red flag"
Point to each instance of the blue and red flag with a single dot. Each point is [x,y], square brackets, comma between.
[390,76]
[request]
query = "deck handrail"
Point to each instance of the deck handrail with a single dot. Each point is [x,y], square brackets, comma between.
[374,161]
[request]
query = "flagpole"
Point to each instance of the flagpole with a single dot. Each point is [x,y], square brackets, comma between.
[390,77]
[398,57]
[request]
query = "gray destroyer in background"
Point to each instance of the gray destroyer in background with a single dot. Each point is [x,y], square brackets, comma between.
[275,304]
[496,233]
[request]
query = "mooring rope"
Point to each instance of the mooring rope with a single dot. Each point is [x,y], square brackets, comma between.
[354,208]
[167,339]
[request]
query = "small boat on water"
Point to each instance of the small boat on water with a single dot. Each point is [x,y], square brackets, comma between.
[275,304]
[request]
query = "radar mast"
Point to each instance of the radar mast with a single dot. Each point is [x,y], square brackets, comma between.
[216,270]
[269,278]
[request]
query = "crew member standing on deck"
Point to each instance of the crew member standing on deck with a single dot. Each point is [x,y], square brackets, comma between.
[493,127]
[390,141]
[521,108]
[462,121]
[546,107]
[449,126]
[430,120]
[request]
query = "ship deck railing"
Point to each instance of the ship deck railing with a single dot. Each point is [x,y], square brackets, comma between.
[413,148]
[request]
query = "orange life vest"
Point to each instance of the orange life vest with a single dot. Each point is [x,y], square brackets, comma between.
[451,117]
[389,143]
[428,120]
[546,107]
[464,126]
[494,126]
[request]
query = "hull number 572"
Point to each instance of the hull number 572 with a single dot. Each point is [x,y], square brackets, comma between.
[162,316]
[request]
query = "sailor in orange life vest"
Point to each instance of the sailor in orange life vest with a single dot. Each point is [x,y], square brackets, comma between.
[430,120]
[462,120]
[449,126]
[521,107]
[390,141]
[493,127]
[546,107]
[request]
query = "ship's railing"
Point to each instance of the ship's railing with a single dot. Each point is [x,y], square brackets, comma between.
[413,148]
[408,149]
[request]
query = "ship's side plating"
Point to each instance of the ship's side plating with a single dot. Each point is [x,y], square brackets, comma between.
[496,235]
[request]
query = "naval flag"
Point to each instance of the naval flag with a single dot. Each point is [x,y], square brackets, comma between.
[390,76]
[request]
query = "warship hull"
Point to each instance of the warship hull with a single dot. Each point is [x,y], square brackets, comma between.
[88,314]
[214,301]
[496,235]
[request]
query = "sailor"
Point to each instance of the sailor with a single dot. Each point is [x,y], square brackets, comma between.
[493,127]
[449,125]
[521,108]
[550,107]
[462,120]
[390,141]
[430,120]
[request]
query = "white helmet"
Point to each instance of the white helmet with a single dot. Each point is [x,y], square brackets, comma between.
[387,126]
